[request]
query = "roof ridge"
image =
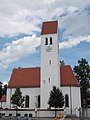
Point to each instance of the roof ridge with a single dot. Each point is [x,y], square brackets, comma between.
[30,77]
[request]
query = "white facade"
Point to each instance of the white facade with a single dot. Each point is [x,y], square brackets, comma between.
[3,105]
[33,94]
[74,96]
[50,70]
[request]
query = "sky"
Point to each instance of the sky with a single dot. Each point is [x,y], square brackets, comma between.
[20,28]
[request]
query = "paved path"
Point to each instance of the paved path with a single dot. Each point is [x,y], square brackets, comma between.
[22,118]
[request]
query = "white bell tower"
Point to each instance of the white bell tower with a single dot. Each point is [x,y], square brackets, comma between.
[50,69]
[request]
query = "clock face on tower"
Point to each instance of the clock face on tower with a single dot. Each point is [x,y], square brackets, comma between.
[49,48]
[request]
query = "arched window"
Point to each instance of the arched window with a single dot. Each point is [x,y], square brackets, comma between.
[38,101]
[66,101]
[49,62]
[50,40]
[49,80]
[27,101]
[46,42]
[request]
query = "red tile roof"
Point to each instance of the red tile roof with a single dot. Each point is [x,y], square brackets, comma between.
[67,76]
[49,27]
[3,99]
[30,77]
[25,77]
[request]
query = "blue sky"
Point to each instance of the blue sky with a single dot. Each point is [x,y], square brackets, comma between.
[20,27]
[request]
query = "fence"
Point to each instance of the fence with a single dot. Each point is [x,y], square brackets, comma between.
[34,112]
[85,113]
[82,113]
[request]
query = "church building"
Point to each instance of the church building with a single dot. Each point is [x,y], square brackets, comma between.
[37,82]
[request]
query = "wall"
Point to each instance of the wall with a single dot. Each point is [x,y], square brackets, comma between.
[74,99]
[38,113]
[3,104]
[52,70]
[31,92]
[34,92]
[84,113]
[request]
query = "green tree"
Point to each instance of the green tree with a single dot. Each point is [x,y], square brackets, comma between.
[82,73]
[56,98]
[17,99]
[4,90]
[1,91]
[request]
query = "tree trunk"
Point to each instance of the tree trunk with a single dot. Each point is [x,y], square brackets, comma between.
[55,112]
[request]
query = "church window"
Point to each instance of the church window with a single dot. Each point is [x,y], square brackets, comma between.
[38,101]
[49,62]
[49,80]
[66,101]
[27,101]
[44,81]
[46,42]
[50,40]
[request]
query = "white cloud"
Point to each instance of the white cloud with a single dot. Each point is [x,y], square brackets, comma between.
[76,25]
[27,45]
[72,9]
[73,42]
[18,49]
[23,16]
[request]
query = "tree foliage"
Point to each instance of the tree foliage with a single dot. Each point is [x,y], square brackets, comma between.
[1,91]
[56,98]
[82,73]
[17,99]
[4,90]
